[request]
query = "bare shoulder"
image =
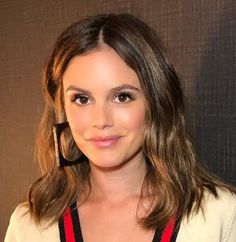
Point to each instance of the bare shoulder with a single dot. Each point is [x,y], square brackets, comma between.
[217,223]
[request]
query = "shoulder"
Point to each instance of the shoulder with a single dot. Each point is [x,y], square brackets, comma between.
[23,228]
[222,206]
[217,223]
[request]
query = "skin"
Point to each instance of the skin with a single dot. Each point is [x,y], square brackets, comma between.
[105,108]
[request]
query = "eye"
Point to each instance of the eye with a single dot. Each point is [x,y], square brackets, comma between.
[81,99]
[124,97]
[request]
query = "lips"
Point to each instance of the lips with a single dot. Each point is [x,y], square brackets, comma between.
[104,142]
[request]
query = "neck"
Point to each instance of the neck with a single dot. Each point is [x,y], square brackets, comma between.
[118,184]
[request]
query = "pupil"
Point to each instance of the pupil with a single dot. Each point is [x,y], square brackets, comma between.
[83,100]
[122,98]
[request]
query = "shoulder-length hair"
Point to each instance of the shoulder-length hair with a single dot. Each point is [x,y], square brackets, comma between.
[175,181]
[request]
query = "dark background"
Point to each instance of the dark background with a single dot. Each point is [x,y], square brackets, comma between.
[199,36]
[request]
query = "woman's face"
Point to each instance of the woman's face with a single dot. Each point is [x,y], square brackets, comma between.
[105,108]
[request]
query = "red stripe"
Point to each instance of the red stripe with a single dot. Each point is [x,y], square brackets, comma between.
[69,231]
[168,231]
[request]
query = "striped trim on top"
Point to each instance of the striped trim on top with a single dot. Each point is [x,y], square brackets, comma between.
[70,230]
[69,225]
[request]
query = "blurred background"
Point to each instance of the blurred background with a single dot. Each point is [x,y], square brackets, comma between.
[200,39]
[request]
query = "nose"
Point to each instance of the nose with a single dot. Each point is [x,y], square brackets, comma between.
[102,116]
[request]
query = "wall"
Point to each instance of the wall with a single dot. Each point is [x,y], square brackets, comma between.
[199,34]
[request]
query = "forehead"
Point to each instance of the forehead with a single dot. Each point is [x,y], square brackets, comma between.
[102,66]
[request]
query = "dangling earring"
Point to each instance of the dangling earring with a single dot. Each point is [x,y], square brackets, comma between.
[61,161]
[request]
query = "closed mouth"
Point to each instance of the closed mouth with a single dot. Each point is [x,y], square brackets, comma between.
[103,142]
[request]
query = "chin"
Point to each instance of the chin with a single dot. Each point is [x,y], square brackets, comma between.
[107,164]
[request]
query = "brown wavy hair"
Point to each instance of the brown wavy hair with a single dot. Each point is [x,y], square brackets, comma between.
[173,172]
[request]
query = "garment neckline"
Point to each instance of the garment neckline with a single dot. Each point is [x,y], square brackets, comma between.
[70,229]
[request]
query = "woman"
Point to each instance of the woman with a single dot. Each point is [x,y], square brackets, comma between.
[119,165]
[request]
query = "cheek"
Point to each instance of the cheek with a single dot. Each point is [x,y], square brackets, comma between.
[78,121]
[132,119]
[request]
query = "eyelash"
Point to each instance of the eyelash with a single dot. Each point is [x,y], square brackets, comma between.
[125,94]
[79,96]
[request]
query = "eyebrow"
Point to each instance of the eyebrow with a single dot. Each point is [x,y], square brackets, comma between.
[114,89]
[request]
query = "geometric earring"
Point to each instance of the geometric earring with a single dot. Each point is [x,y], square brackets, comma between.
[61,161]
